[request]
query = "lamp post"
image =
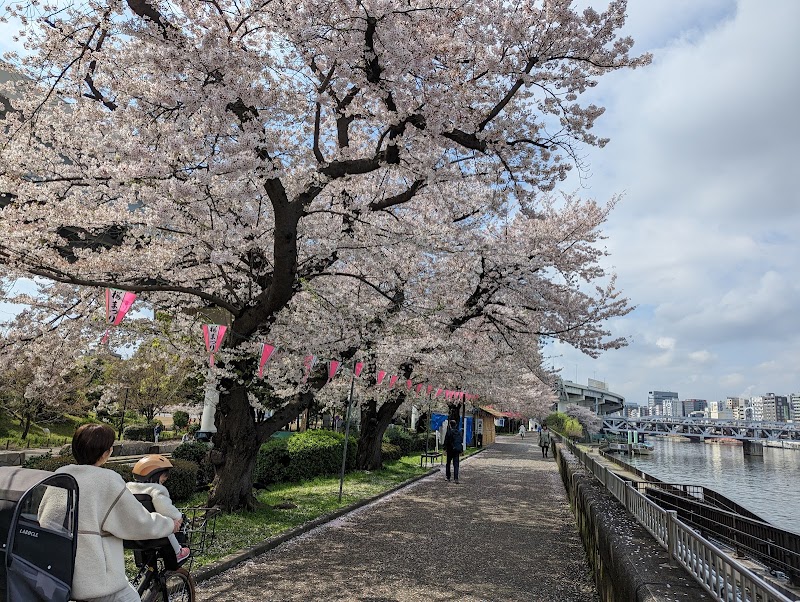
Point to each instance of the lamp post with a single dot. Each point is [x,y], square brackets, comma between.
[122,419]
[347,431]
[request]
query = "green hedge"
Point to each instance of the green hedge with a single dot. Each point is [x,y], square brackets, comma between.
[138,432]
[302,456]
[182,481]
[197,452]
[181,484]
[390,452]
[400,437]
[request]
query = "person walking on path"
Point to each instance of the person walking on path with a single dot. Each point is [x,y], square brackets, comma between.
[453,445]
[522,430]
[544,440]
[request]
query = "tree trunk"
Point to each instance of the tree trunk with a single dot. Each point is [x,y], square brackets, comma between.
[374,422]
[26,427]
[236,444]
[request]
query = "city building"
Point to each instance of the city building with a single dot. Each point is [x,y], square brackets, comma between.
[794,401]
[721,410]
[693,405]
[662,403]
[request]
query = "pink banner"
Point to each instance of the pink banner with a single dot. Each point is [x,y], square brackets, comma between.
[213,335]
[118,303]
[308,364]
[419,388]
[333,368]
[392,380]
[359,368]
[381,376]
[408,384]
[438,392]
[266,353]
[430,388]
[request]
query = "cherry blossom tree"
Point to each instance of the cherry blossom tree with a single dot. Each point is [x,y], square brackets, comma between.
[223,154]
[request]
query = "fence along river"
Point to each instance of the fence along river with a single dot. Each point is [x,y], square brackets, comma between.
[769,486]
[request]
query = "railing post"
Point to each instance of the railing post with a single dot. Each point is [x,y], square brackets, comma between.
[672,535]
[628,494]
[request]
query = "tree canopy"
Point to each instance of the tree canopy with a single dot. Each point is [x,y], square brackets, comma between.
[364,176]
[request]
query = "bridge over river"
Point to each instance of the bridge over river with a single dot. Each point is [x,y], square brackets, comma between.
[704,428]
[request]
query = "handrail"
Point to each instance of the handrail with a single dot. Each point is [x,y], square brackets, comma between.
[724,578]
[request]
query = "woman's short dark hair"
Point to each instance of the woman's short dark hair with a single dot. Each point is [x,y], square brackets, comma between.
[453,424]
[91,441]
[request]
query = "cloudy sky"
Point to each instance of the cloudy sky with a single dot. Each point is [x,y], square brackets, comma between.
[706,243]
[705,147]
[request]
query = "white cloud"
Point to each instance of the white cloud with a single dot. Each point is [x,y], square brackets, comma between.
[704,147]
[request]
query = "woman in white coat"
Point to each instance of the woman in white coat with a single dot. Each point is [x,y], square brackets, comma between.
[107,514]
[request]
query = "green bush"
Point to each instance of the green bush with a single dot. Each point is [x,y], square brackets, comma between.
[180,419]
[182,481]
[48,462]
[400,437]
[123,470]
[302,456]
[192,450]
[138,432]
[272,463]
[563,424]
[197,452]
[390,452]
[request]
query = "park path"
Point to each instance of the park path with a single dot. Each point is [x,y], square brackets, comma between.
[504,533]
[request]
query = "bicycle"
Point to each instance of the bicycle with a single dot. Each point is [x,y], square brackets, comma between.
[160,579]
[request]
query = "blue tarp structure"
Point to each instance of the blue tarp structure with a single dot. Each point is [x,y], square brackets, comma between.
[438,419]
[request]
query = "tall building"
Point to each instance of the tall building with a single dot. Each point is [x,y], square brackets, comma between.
[757,405]
[794,401]
[783,412]
[662,403]
[693,405]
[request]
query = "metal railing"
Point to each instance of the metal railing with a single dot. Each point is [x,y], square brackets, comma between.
[721,576]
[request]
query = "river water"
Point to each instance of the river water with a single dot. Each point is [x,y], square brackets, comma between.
[769,486]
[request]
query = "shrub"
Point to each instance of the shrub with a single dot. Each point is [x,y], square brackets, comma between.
[123,470]
[390,452]
[192,450]
[194,427]
[196,452]
[138,432]
[180,419]
[303,456]
[47,462]
[66,450]
[182,481]
[400,437]
[272,463]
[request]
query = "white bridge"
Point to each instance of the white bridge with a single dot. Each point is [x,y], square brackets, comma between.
[704,428]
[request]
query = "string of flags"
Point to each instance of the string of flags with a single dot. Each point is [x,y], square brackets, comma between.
[119,302]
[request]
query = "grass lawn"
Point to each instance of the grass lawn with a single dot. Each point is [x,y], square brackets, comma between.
[60,433]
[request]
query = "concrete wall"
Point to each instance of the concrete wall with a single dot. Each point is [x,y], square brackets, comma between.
[628,563]
[121,448]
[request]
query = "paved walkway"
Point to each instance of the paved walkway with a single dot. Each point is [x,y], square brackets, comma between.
[504,533]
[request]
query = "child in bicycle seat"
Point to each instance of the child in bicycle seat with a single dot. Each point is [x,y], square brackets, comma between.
[150,473]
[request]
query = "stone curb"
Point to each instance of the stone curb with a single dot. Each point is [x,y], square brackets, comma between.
[231,560]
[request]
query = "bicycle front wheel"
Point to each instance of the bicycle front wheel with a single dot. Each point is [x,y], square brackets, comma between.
[175,586]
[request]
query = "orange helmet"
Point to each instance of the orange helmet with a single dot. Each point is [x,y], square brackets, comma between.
[149,468]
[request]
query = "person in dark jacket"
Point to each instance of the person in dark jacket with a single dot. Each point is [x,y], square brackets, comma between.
[453,445]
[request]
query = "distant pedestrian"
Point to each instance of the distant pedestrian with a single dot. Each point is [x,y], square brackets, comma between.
[522,430]
[544,440]
[453,445]
[156,432]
